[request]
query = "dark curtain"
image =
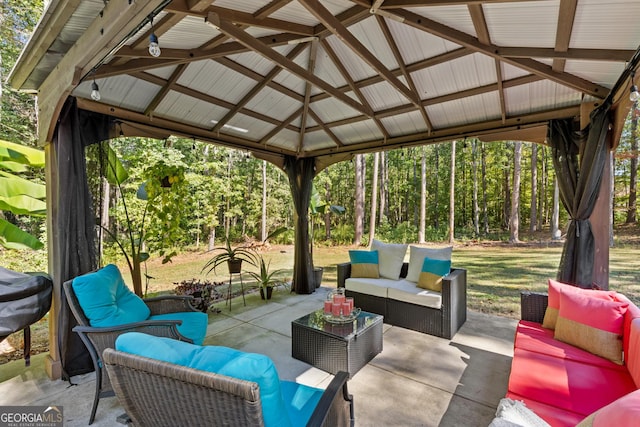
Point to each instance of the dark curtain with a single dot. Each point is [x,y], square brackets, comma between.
[300,173]
[74,220]
[579,158]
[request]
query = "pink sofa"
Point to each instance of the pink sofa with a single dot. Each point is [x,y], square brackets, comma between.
[562,383]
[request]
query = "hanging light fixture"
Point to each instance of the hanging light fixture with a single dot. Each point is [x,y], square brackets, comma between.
[154,47]
[634,95]
[95,91]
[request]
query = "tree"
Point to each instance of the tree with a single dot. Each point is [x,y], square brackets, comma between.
[633,166]
[423,197]
[514,220]
[374,196]
[485,214]
[533,221]
[452,193]
[476,209]
[359,201]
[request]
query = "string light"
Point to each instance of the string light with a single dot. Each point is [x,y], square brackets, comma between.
[154,47]
[95,91]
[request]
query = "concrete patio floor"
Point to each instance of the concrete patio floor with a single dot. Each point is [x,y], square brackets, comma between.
[417,380]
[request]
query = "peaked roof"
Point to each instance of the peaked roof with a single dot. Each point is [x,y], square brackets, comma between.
[330,78]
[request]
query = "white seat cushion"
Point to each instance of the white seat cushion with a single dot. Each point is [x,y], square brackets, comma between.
[373,287]
[406,291]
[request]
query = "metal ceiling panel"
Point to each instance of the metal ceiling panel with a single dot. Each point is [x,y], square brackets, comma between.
[382,96]
[286,139]
[368,33]
[355,66]
[510,72]
[365,130]
[465,111]
[273,104]
[295,12]
[327,70]
[121,91]
[186,109]
[163,72]
[600,24]
[214,79]
[416,45]
[455,76]
[248,6]
[330,109]
[600,72]
[255,129]
[291,81]
[523,24]
[403,124]
[261,32]
[190,33]
[538,96]
[455,16]
[317,140]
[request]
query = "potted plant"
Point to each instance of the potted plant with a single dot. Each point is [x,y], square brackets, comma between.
[266,279]
[233,257]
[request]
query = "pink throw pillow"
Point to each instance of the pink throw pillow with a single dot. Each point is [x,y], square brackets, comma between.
[623,412]
[592,324]
[556,288]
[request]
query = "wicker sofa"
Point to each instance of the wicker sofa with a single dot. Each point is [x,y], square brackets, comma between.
[397,300]
[565,384]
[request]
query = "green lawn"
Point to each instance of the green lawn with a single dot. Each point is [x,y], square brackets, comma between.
[496,272]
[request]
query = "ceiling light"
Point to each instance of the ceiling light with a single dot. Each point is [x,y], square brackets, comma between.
[154,47]
[95,91]
[634,95]
[234,128]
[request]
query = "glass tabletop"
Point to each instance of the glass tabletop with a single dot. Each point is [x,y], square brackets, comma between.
[316,320]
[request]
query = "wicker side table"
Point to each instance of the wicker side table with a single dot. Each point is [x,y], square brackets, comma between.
[336,347]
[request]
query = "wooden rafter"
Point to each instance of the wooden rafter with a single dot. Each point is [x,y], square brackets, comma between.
[401,66]
[396,4]
[286,122]
[255,90]
[352,85]
[605,55]
[563,33]
[338,28]
[180,69]
[430,26]
[326,129]
[264,50]
[311,66]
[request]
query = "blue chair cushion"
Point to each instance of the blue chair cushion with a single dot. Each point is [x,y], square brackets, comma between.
[301,401]
[221,360]
[194,323]
[106,300]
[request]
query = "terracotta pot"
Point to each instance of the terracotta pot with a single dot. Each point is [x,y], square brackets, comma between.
[235,266]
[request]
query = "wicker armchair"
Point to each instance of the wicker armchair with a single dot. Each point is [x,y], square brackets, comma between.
[533,306]
[97,339]
[156,393]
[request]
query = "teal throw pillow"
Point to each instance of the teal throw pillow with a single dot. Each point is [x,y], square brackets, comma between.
[433,270]
[364,264]
[106,300]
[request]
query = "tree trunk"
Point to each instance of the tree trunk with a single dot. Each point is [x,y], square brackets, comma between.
[555,216]
[264,234]
[384,178]
[436,212]
[423,197]
[212,238]
[514,220]
[476,208]
[374,197]
[485,214]
[300,173]
[533,221]
[359,201]
[542,194]
[327,214]
[633,167]
[452,193]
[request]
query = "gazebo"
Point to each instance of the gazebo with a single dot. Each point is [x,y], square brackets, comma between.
[307,83]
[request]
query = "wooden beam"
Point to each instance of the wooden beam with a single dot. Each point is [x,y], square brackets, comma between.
[396,4]
[104,34]
[256,89]
[566,16]
[606,55]
[313,53]
[433,27]
[265,139]
[325,128]
[165,89]
[247,19]
[401,65]
[340,31]
[262,49]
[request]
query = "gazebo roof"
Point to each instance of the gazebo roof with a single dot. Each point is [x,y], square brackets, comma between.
[332,78]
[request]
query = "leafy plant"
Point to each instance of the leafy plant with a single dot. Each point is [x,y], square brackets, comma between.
[18,195]
[204,293]
[227,253]
[264,277]
[161,194]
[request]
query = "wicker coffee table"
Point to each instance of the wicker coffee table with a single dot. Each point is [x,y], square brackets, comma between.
[336,347]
